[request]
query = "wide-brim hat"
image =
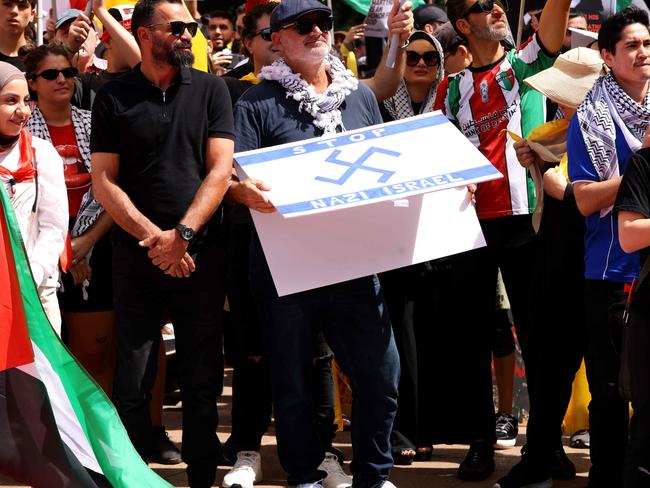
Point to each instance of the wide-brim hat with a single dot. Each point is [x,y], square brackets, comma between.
[570,78]
[290,10]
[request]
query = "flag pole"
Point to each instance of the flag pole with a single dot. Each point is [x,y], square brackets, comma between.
[39,23]
[520,23]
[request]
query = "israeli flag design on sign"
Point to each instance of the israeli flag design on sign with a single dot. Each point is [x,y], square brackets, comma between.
[382,162]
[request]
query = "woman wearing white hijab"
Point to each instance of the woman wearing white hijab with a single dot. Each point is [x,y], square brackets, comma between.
[31,172]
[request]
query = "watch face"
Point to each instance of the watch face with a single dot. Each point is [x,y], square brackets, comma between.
[187,234]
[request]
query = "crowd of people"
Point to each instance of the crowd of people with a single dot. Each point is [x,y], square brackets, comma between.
[117,156]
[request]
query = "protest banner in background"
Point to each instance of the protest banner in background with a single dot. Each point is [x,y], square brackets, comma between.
[377,18]
[361,202]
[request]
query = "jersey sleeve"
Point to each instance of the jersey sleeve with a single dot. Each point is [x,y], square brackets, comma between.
[634,192]
[531,58]
[580,166]
[441,95]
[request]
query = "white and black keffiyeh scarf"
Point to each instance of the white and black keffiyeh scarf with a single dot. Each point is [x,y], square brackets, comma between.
[90,208]
[400,106]
[323,107]
[605,107]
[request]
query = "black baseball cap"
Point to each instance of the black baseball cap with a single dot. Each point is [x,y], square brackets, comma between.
[427,14]
[448,37]
[290,10]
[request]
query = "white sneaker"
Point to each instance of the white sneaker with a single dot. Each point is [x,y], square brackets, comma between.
[336,477]
[388,484]
[310,485]
[246,472]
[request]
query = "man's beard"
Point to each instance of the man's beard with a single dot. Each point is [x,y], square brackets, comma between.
[174,56]
[489,32]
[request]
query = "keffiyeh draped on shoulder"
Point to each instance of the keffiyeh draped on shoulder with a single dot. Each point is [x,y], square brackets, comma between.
[323,107]
[605,107]
[90,208]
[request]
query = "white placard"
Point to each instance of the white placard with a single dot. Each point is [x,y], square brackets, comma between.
[331,247]
[359,167]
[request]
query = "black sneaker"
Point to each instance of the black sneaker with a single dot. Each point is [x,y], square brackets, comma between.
[507,429]
[524,475]
[580,439]
[479,462]
[561,466]
[163,451]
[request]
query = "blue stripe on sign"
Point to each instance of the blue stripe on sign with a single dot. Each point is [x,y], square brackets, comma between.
[395,189]
[341,140]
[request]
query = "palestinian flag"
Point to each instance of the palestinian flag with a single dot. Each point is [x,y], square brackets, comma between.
[57,427]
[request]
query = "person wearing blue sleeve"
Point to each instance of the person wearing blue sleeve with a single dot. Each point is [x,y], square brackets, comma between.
[608,126]
[352,314]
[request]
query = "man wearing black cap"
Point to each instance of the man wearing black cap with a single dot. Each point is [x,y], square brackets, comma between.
[351,314]
[429,18]
[162,159]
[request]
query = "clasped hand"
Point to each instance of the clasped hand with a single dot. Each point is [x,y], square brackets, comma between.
[168,251]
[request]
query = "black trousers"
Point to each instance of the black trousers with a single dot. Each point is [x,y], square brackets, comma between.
[558,335]
[637,459]
[608,412]
[143,294]
[443,348]
[251,389]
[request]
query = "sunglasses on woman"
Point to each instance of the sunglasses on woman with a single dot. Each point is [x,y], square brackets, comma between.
[265,34]
[178,27]
[431,58]
[305,26]
[53,74]
[485,6]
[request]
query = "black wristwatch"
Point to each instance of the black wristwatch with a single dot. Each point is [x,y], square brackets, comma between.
[187,233]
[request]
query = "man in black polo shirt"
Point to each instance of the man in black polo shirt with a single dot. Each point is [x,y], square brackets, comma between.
[162,149]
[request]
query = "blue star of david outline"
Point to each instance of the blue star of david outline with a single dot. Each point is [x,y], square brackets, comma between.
[358,165]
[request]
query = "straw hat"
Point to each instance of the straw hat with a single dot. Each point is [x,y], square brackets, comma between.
[570,78]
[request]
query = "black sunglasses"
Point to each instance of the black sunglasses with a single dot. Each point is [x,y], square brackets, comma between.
[53,74]
[485,6]
[178,27]
[265,34]
[305,26]
[431,58]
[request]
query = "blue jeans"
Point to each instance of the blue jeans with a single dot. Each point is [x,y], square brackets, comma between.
[353,317]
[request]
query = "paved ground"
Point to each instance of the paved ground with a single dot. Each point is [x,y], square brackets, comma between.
[439,473]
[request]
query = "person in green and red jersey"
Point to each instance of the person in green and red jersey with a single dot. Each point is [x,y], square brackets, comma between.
[483,100]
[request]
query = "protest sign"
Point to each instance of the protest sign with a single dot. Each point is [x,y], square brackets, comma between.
[377,19]
[363,201]
[364,166]
[317,250]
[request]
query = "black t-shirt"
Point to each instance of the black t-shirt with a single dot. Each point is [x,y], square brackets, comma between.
[634,192]
[87,85]
[17,61]
[161,138]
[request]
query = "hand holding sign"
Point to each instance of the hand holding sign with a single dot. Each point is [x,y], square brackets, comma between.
[251,192]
